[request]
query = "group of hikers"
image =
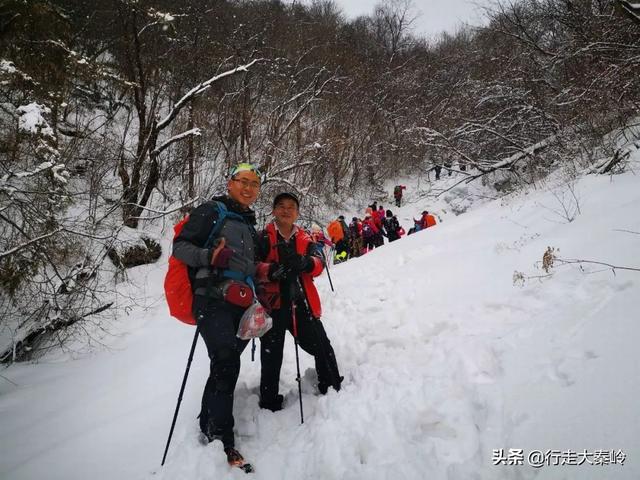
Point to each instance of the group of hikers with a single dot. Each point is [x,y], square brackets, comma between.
[360,235]
[363,235]
[279,264]
[231,267]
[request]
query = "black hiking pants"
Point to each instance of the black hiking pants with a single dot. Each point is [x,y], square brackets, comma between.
[312,338]
[218,321]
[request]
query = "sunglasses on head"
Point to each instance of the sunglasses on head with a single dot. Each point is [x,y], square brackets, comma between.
[244,167]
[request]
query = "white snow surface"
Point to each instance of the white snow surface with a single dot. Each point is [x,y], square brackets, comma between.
[444,358]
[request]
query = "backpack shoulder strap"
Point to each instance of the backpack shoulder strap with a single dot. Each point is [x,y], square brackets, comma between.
[223,214]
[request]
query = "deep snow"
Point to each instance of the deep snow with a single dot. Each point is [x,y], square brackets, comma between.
[446,358]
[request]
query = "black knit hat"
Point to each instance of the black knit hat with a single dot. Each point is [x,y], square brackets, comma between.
[283,195]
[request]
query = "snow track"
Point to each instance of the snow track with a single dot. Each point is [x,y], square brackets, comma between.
[444,358]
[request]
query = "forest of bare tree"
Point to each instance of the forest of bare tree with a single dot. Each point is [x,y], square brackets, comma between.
[121,112]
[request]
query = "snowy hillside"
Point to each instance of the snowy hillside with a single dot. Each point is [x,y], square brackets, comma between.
[449,356]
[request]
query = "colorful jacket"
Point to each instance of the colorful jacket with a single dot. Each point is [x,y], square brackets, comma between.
[269,292]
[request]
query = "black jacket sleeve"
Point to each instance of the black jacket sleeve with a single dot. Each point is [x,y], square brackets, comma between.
[189,246]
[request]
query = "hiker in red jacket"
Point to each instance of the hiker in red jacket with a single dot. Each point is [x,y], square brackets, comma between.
[290,263]
[397,194]
[369,233]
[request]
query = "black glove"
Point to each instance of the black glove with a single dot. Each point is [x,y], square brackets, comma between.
[277,272]
[298,263]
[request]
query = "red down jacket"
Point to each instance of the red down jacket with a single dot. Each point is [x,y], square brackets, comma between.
[303,242]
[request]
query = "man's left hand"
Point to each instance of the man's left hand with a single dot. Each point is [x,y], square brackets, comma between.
[298,263]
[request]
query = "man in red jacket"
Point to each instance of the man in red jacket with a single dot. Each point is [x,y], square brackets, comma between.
[289,261]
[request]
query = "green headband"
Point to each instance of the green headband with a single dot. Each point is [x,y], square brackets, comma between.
[244,167]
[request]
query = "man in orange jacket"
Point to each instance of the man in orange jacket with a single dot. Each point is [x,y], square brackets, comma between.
[290,261]
[427,220]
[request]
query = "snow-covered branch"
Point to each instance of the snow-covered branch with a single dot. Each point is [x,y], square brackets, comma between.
[196,132]
[198,89]
[164,213]
[508,162]
[290,184]
[289,168]
[30,242]
[44,166]
[316,93]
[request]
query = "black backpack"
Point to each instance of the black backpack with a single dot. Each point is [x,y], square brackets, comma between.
[391,224]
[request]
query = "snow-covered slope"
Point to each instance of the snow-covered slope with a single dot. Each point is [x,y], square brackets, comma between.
[446,360]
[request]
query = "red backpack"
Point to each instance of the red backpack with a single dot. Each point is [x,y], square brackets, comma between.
[177,285]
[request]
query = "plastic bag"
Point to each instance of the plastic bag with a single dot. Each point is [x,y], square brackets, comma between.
[255,322]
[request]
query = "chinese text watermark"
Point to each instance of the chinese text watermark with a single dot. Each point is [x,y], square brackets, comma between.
[550,458]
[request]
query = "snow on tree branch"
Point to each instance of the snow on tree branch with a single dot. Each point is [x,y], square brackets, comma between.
[30,242]
[39,169]
[289,168]
[31,119]
[196,132]
[198,89]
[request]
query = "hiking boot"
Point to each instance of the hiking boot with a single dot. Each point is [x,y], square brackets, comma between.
[234,458]
[274,404]
[323,387]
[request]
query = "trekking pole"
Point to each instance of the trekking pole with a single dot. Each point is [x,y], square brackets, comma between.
[184,383]
[295,341]
[323,351]
[327,270]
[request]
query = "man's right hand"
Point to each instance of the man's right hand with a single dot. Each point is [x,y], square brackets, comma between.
[221,255]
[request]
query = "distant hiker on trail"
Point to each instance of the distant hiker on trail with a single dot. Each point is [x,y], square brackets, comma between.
[355,230]
[338,236]
[345,250]
[293,301]
[369,233]
[378,217]
[426,220]
[345,228]
[392,226]
[397,194]
[322,242]
[221,278]
[438,169]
